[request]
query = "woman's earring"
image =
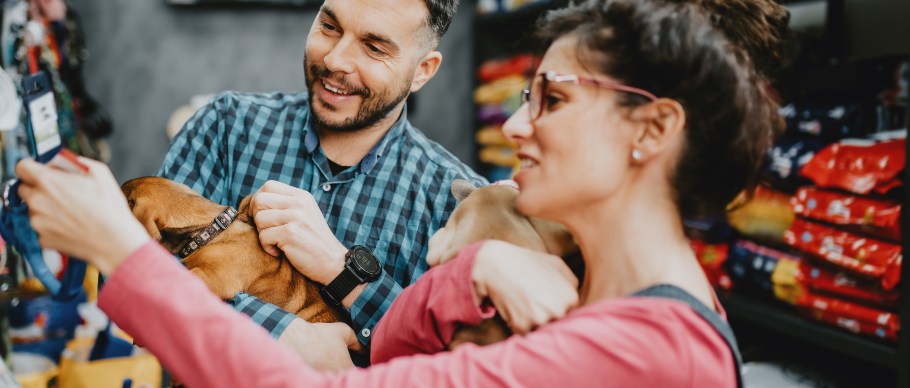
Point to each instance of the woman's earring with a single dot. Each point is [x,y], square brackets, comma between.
[636,154]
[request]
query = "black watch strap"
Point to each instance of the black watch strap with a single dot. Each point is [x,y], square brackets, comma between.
[338,289]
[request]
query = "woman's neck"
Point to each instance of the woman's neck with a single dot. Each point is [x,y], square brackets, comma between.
[633,242]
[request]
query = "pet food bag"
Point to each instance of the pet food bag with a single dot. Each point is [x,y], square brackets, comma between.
[753,265]
[712,258]
[864,256]
[820,280]
[851,316]
[878,217]
[858,166]
[766,216]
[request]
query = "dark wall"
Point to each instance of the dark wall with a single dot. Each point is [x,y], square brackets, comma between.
[146,58]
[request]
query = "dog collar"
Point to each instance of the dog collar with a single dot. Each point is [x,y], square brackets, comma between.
[208,234]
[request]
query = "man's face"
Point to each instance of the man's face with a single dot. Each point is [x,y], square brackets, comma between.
[360,60]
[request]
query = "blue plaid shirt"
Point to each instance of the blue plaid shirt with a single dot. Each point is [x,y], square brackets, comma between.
[391,202]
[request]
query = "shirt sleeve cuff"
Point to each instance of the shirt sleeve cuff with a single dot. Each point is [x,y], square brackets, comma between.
[272,318]
[371,305]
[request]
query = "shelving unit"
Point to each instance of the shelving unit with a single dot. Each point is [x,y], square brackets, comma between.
[502,34]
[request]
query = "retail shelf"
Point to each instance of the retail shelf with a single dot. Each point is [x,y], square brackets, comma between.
[524,15]
[783,319]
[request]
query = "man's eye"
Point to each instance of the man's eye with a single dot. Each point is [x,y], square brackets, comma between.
[328,26]
[375,50]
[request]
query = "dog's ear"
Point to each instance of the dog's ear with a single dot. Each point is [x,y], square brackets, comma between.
[148,217]
[558,240]
[461,189]
[243,210]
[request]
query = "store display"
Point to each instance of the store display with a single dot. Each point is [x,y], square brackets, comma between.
[497,98]
[859,166]
[753,265]
[766,216]
[843,285]
[878,217]
[712,258]
[787,157]
[851,316]
[864,256]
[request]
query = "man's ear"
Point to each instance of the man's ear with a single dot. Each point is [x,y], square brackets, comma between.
[426,69]
[661,122]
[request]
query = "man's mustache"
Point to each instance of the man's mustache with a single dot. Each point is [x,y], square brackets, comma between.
[319,72]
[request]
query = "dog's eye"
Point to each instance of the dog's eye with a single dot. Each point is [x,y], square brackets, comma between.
[132,203]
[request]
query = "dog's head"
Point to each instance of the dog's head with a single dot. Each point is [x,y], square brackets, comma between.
[489,213]
[171,212]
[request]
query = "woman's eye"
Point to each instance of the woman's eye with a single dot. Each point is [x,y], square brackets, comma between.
[551,100]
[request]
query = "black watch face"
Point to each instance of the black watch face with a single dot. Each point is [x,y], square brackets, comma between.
[366,261]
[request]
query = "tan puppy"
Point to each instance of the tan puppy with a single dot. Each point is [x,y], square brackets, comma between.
[233,261]
[489,213]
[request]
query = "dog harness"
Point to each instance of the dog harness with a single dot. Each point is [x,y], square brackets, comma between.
[221,222]
[706,313]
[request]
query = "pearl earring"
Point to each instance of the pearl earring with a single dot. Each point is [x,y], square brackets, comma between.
[636,154]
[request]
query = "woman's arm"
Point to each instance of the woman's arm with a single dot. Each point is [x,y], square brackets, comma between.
[207,344]
[426,314]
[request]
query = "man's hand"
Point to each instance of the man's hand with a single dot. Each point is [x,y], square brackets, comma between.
[323,346]
[528,288]
[289,221]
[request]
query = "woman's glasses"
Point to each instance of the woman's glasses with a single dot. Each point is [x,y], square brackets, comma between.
[534,96]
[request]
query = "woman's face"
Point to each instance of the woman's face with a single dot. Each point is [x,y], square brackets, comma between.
[577,152]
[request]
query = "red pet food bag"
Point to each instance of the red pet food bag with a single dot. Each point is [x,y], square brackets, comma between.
[858,166]
[865,256]
[875,216]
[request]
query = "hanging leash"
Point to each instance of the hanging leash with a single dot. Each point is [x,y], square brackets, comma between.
[17,231]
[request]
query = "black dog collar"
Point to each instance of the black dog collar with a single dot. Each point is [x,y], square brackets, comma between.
[208,234]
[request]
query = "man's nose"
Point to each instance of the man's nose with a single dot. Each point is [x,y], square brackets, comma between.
[341,57]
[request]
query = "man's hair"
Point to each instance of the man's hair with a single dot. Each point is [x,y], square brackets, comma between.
[439,17]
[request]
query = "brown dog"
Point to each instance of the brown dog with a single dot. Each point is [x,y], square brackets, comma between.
[233,261]
[489,213]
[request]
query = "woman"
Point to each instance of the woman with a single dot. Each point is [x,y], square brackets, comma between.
[641,114]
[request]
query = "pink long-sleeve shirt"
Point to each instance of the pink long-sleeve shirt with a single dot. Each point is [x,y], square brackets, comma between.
[621,342]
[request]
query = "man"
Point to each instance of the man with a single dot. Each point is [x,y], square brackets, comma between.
[353,170]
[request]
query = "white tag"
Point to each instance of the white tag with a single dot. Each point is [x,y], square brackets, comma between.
[43,115]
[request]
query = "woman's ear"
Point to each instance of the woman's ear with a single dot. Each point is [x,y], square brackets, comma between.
[660,123]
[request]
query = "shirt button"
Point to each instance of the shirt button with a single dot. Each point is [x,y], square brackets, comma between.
[326,187]
[365,332]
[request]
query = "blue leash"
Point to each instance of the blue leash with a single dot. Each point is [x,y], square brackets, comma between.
[17,231]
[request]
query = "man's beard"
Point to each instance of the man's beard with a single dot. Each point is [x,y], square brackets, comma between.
[374,106]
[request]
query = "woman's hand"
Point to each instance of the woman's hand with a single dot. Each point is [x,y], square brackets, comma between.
[324,346]
[528,288]
[83,215]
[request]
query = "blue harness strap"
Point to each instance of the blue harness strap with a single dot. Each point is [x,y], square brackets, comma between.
[708,314]
[17,231]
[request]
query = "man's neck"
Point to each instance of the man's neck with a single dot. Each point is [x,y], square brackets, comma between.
[349,148]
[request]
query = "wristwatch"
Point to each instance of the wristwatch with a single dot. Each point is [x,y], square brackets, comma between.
[360,267]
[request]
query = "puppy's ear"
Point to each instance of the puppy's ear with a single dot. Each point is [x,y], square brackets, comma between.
[461,189]
[558,240]
[243,211]
[148,217]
